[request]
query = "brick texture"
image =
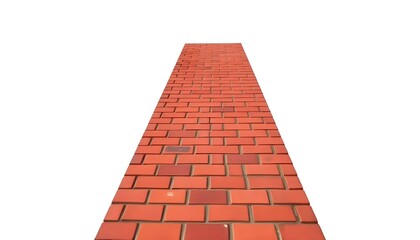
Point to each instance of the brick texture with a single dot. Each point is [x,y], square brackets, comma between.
[211,163]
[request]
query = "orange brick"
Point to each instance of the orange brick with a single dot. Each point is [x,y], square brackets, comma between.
[274,159]
[217,159]
[145,141]
[227,182]
[199,126]
[181,213]
[273,214]
[237,126]
[116,230]
[249,120]
[167,196]
[225,133]
[239,141]
[159,159]
[185,120]
[293,183]
[127,182]
[143,212]
[235,170]
[280,149]
[222,120]
[209,170]
[165,141]
[306,214]
[261,169]
[149,149]
[267,126]
[195,141]
[182,134]
[223,213]
[154,231]
[301,231]
[155,133]
[189,182]
[255,231]
[217,141]
[196,159]
[269,141]
[152,182]
[171,126]
[257,149]
[130,196]
[137,159]
[252,133]
[289,196]
[264,182]
[141,170]
[288,170]
[217,149]
[249,197]
[114,212]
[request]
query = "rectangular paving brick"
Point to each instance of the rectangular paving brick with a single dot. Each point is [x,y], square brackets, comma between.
[211,163]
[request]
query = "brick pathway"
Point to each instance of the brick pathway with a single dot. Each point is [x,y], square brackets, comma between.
[211,163]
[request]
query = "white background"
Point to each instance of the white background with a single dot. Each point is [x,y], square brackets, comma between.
[79,81]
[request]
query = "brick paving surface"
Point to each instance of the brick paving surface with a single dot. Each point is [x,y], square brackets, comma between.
[211,163]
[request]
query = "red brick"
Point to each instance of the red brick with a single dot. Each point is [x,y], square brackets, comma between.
[306,214]
[159,159]
[186,109]
[249,197]
[208,197]
[206,232]
[178,149]
[174,170]
[167,196]
[257,149]
[223,213]
[260,114]
[293,183]
[143,212]
[116,230]
[252,133]
[182,134]
[242,158]
[235,170]
[288,169]
[127,182]
[164,109]
[141,170]
[269,141]
[235,114]
[159,231]
[209,170]
[264,182]
[227,182]
[165,141]
[273,214]
[149,149]
[261,169]
[114,212]
[195,141]
[130,196]
[301,232]
[254,231]
[289,197]
[152,182]
[205,115]
[239,141]
[151,126]
[189,182]
[184,213]
[217,149]
[196,159]
[274,159]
